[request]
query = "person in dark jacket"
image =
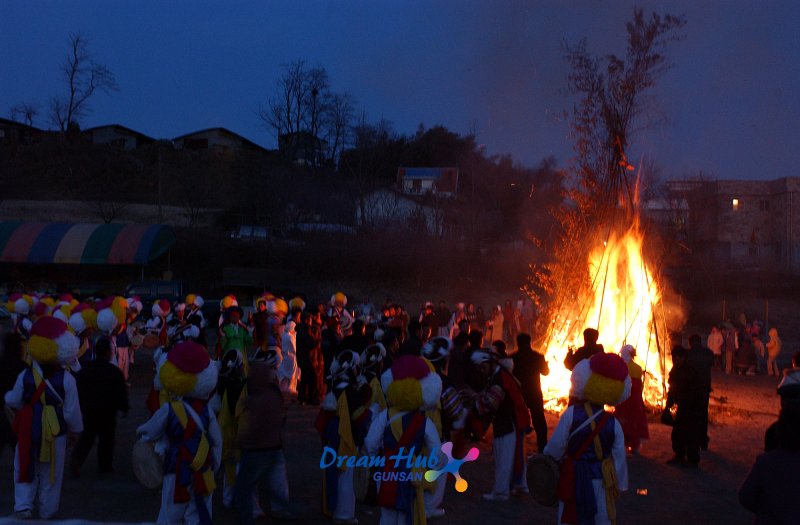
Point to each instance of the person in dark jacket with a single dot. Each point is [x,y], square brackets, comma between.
[770,489]
[687,391]
[789,392]
[412,345]
[102,393]
[745,359]
[307,349]
[457,365]
[528,366]
[701,358]
[261,416]
[357,341]
[11,366]
[442,318]
[331,337]
[590,347]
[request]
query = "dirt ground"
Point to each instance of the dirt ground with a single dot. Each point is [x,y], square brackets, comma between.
[742,408]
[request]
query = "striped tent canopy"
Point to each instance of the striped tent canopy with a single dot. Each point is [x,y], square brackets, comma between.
[69,243]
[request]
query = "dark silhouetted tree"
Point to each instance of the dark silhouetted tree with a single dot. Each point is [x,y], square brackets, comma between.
[305,114]
[83,78]
[24,112]
[611,96]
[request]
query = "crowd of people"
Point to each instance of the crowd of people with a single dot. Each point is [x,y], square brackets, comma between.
[739,347]
[383,380]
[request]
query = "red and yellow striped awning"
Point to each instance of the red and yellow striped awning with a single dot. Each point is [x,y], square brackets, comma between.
[68,243]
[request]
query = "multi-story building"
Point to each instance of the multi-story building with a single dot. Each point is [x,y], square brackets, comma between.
[738,223]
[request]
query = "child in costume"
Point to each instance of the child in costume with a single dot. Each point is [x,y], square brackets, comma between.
[45,398]
[449,416]
[342,423]
[631,413]
[411,386]
[501,401]
[188,435]
[591,442]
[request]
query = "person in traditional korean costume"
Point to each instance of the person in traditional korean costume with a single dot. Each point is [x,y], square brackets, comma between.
[342,423]
[234,335]
[20,309]
[501,401]
[631,413]
[449,416]
[187,433]
[372,367]
[591,443]
[158,325]
[410,385]
[194,316]
[47,411]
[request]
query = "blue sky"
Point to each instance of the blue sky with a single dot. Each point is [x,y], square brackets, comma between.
[732,100]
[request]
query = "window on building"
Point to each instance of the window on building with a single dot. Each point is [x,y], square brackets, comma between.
[735,203]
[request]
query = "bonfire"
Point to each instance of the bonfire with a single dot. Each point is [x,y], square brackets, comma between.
[619,295]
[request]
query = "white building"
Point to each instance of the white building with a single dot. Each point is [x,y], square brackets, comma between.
[442,182]
[387,209]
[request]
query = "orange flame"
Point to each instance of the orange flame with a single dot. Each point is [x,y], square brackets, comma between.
[624,305]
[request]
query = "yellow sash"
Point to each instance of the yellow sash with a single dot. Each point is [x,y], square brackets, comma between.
[227,423]
[377,393]
[609,474]
[50,429]
[347,443]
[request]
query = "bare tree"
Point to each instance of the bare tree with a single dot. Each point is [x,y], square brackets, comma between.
[317,96]
[285,112]
[339,123]
[611,94]
[303,103]
[83,77]
[25,112]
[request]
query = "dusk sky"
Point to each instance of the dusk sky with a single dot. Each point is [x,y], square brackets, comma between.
[732,99]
